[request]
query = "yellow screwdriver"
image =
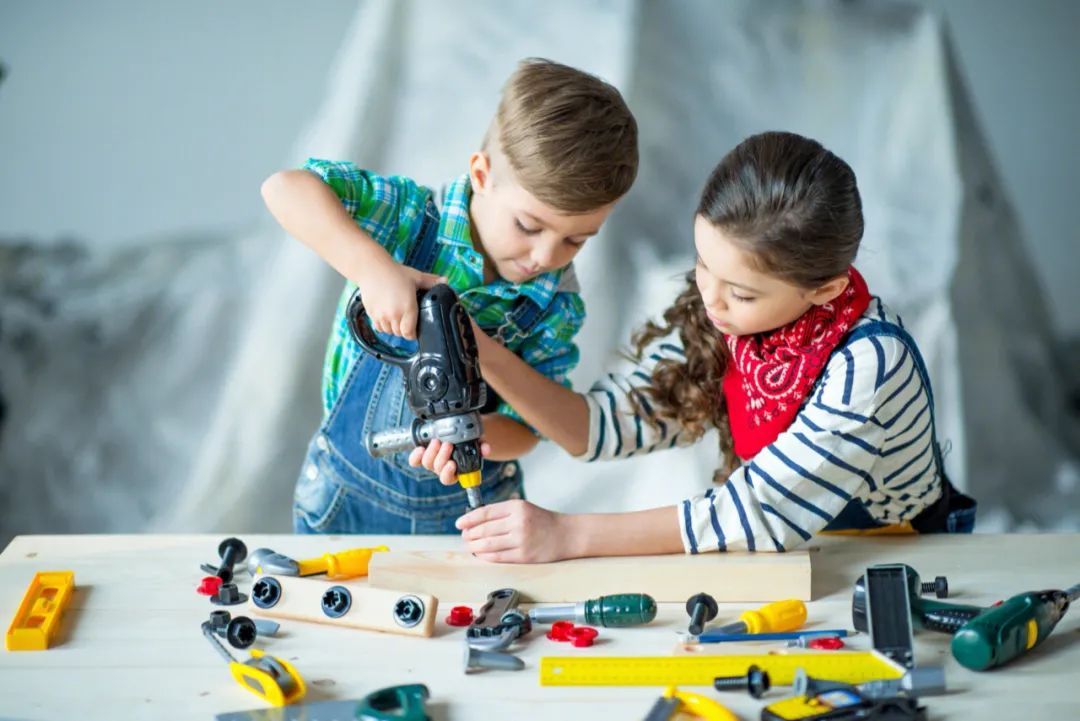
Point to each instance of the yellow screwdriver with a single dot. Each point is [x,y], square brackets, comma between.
[773,617]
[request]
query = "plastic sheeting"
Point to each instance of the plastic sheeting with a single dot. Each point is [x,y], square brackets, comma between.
[173,386]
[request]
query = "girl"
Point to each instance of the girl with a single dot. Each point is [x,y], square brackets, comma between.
[820,396]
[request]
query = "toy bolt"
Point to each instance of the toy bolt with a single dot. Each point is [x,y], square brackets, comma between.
[939,587]
[232,551]
[702,609]
[755,681]
[476,660]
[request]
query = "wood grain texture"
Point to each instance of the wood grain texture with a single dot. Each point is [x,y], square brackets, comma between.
[728,577]
[369,608]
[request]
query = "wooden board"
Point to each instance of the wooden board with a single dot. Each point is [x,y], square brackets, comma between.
[368,608]
[728,577]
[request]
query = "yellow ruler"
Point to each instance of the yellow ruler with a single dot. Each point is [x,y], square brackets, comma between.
[846,666]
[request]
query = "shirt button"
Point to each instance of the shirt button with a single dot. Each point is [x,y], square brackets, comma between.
[321,443]
[312,472]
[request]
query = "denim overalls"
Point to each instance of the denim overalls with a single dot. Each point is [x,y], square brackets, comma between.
[954,512]
[342,489]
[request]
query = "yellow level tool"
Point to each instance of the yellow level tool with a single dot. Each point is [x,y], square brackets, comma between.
[38,617]
[846,666]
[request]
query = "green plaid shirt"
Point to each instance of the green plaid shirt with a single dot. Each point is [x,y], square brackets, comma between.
[391,210]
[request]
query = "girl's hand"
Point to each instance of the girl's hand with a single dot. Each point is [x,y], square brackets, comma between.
[436,458]
[517,532]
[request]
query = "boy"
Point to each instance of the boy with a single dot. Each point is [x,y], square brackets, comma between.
[560,152]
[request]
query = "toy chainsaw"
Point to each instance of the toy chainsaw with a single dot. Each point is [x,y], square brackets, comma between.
[442,383]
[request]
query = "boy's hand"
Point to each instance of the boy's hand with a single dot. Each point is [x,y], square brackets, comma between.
[517,532]
[389,294]
[436,458]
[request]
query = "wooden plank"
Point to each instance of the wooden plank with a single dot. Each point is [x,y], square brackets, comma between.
[729,577]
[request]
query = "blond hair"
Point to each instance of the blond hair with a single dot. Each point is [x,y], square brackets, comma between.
[567,135]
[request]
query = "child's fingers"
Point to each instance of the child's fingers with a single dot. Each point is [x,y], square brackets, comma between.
[443,456]
[485,449]
[448,474]
[416,456]
[482,515]
[492,544]
[430,453]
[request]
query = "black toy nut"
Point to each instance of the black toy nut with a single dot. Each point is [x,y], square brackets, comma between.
[240,632]
[702,609]
[228,595]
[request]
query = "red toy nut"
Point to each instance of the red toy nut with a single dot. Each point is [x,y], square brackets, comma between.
[829,643]
[560,631]
[460,616]
[582,636]
[210,586]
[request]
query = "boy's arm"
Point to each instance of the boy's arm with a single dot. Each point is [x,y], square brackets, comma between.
[309,210]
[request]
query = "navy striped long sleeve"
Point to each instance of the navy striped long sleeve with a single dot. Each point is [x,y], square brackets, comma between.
[864,433]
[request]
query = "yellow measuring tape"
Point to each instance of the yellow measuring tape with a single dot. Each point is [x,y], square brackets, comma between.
[846,666]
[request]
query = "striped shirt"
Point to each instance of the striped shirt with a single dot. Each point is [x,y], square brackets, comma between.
[865,432]
[391,210]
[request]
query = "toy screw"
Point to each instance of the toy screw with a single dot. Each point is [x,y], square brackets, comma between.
[939,587]
[755,681]
[232,551]
[702,609]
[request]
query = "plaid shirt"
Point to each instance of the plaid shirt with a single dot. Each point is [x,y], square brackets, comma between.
[391,211]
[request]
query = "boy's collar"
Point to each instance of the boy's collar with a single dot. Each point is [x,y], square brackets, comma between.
[455,228]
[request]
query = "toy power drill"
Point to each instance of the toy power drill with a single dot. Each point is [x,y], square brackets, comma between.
[442,383]
[1011,628]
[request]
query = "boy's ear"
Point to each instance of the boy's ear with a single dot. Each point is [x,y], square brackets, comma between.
[479,171]
[830,290]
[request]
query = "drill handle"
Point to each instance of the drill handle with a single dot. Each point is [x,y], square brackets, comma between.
[362,332]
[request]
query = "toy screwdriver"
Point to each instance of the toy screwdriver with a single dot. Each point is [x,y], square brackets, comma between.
[618,610]
[1001,633]
[774,617]
[338,566]
[685,702]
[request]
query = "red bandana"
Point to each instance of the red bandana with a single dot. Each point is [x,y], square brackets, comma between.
[772,373]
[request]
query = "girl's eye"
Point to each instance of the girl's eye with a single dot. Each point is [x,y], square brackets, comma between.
[523,229]
[575,243]
[743,298]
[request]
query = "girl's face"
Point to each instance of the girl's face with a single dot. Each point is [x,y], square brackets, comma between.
[741,300]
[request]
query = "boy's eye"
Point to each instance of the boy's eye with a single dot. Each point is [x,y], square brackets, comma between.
[575,243]
[523,229]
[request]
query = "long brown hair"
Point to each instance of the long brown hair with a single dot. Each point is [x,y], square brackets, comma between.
[795,208]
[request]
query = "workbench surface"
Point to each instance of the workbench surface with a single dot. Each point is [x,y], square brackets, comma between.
[130,646]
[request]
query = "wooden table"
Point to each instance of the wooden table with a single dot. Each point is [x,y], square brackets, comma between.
[130,646]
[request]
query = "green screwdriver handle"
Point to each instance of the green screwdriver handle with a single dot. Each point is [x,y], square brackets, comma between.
[1014,627]
[620,609]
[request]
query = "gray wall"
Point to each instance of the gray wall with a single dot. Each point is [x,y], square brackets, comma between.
[125,120]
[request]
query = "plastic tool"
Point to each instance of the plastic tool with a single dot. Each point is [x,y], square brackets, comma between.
[270,678]
[397,703]
[38,616]
[847,666]
[1011,629]
[443,384]
[615,611]
[675,701]
[775,617]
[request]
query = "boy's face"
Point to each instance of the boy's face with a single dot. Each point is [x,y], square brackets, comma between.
[738,298]
[519,236]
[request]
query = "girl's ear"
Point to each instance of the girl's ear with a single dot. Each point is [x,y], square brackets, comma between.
[479,171]
[830,290]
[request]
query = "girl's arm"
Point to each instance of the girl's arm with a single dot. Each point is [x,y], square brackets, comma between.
[551,408]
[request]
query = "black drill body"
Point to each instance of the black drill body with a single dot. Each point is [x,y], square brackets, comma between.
[443,384]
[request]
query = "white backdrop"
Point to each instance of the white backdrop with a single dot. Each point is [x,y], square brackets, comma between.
[173,385]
